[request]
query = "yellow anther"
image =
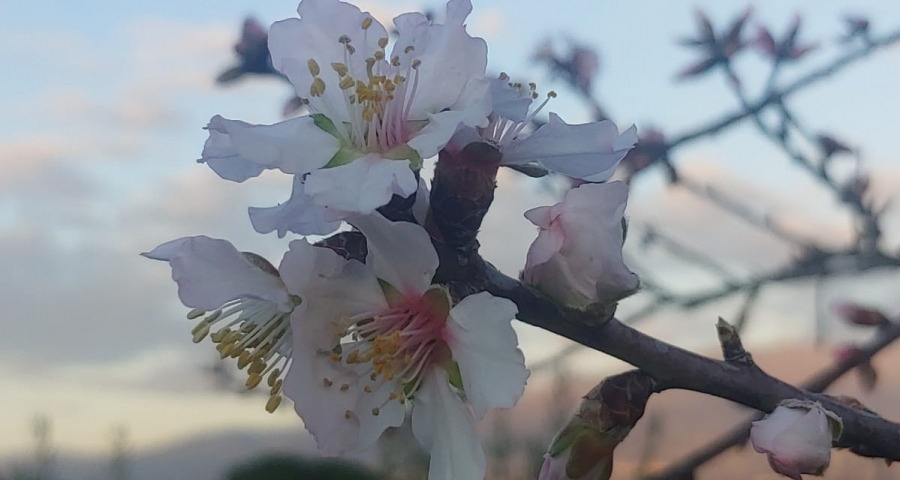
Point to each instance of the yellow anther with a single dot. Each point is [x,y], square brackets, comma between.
[350,49]
[366,23]
[220,335]
[532,86]
[395,61]
[340,68]
[379,55]
[273,403]
[398,79]
[382,42]
[388,375]
[273,377]
[195,313]
[317,88]
[258,366]
[346,83]
[367,389]
[244,360]
[392,396]
[327,383]
[277,387]
[409,49]
[236,352]
[551,94]
[503,76]
[402,399]
[200,332]
[407,359]
[344,39]
[253,380]
[348,414]
[335,357]
[353,357]
[213,316]
[375,411]
[225,350]
[313,67]
[416,63]
[534,96]
[345,387]
[373,376]
[247,328]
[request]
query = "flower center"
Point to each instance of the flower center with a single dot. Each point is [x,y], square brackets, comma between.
[501,131]
[394,346]
[377,102]
[257,334]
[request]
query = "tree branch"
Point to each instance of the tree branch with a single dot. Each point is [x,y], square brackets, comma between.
[674,368]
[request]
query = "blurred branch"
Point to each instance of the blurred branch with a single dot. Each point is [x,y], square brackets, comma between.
[674,368]
[740,434]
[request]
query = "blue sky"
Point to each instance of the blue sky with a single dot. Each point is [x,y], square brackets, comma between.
[103,108]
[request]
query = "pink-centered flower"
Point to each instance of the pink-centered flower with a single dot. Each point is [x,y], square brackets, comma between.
[375,112]
[577,256]
[589,151]
[376,339]
[245,305]
[797,438]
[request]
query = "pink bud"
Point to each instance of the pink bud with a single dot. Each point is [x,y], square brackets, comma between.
[797,438]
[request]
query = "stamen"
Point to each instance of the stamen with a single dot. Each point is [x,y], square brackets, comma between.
[313,67]
[366,23]
[382,42]
[273,404]
[195,313]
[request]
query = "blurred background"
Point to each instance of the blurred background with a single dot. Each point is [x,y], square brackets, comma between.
[103,108]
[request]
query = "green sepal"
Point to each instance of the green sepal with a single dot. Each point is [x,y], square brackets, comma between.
[454,375]
[343,156]
[405,152]
[325,124]
[566,437]
[391,294]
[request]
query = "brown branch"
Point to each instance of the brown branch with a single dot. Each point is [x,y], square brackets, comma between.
[674,368]
[741,433]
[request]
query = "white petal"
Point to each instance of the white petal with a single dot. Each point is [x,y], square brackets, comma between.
[390,413]
[333,286]
[471,110]
[548,243]
[400,253]
[508,102]
[589,151]
[299,215]
[323,408]
[293,42]
[362,185]
[763,432]
[485,346]
[222,158]
[449,56]
[210,272]
[294,146]
[443,425]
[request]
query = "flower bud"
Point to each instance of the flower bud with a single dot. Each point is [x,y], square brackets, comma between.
[577,256]
[859,315]
[583,449]
[797,437]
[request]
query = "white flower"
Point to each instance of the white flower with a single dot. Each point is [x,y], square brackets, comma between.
[245,293]
[577,256]
[797,438]
[589,151]
[237,151]
[371,339]
[383,112]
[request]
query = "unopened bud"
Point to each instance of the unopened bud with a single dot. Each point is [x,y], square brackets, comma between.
[859,315]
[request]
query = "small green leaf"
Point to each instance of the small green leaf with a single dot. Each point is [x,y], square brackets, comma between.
[325,123]
[454,375]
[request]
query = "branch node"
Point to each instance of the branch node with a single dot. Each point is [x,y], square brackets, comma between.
[732,348]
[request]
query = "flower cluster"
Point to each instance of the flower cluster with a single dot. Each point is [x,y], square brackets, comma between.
[360,342]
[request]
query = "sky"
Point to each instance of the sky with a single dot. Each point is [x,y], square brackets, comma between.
[103,108]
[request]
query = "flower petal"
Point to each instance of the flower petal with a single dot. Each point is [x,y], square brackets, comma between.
[589,151]
[222,158]
[293,42]
[294,146]
[315,384]
[299,215]
[485,346]
[764,432]
[362,185]
[471,109]
[443,425]
[334,286]
[400,253]
[449,57]
[548,243]
[390,413]
[211,272]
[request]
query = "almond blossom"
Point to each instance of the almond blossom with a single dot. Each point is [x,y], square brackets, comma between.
[375,114]
[589,151]
[249,304]
[372,340]
[577,256]
[797,437]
